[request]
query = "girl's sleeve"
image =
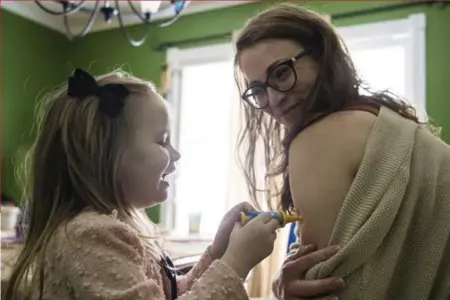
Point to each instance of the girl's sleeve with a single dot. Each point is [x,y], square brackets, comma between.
[106,261]
[185,282]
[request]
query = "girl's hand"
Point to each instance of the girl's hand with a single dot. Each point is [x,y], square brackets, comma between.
[222,237]
[291,283]
[251,243]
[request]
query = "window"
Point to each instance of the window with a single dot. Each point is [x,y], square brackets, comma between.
[204,99]
[391,55]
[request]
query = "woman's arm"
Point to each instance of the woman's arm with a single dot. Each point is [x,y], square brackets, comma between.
[323,161]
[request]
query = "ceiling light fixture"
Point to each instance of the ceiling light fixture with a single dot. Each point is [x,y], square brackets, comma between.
[147,12]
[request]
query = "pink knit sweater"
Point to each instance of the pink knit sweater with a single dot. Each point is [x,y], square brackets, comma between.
[98,257]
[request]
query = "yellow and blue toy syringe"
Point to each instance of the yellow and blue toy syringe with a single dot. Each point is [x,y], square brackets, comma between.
[282,217]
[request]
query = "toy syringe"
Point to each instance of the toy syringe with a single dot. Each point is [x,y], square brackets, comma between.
[282,217]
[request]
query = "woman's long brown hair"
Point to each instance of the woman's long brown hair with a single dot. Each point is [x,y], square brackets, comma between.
[337,86]
[73,164]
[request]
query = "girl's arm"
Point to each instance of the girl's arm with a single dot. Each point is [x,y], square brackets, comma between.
[105,260]
[185,282]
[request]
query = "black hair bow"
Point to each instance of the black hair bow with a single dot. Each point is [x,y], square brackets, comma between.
[111,96]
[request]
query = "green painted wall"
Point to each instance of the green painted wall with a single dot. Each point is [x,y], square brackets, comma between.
[105,51]
[33,61]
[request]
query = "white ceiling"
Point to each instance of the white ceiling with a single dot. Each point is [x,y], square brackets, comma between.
[77,21]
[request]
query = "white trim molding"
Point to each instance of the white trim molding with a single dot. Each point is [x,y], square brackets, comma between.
[179,58]
[29,12]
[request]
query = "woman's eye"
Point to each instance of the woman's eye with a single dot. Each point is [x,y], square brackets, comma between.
[282,72]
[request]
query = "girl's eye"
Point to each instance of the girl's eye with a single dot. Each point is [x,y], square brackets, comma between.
[165,142]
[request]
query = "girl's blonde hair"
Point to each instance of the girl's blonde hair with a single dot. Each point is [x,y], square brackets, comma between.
[73,165]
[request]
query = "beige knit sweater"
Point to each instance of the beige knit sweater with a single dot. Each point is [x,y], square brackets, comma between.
[98,257]
[394,225]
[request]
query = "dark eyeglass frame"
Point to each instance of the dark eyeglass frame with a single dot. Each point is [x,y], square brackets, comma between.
[287,62]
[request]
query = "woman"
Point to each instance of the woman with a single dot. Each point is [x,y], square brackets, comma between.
[360,168]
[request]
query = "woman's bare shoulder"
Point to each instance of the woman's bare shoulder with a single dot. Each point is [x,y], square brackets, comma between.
[323,161]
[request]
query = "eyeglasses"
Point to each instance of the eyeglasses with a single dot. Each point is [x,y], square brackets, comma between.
[281,77]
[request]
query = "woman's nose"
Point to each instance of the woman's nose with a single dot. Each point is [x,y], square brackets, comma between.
[275,98]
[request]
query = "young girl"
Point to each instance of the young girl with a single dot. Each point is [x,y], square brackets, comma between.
[101,155]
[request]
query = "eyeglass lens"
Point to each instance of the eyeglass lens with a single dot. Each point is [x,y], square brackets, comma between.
[282,78]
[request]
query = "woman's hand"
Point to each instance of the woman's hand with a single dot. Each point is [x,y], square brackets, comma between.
[291,284]
[222,237]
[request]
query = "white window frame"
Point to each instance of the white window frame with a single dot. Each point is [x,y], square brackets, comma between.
[176,60]
[381,34]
